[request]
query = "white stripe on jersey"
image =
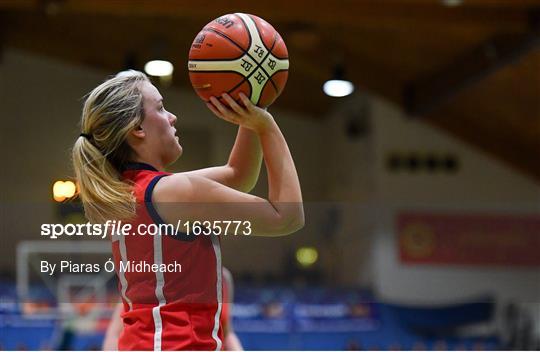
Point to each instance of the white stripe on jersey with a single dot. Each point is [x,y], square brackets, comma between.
[123,258]
[160,281]
[217,251]
[158,327]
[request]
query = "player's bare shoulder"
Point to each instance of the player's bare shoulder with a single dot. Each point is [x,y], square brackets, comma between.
[176,187]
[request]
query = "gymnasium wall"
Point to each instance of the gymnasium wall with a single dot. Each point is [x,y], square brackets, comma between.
[481,185]
[481,180]
[341,159]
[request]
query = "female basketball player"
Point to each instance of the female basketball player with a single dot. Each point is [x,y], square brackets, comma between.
[127,141]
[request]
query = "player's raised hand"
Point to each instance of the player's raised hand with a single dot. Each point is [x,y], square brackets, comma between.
[249,115]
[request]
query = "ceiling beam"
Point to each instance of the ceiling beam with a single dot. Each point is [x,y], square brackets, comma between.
[381,14]
[18,4]
[425,94]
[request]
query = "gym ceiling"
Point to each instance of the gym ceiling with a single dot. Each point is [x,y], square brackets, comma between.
[472,69]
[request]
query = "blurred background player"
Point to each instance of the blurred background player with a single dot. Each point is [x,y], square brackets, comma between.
[231,340]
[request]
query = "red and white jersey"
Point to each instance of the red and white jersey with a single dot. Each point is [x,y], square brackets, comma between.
[171,310]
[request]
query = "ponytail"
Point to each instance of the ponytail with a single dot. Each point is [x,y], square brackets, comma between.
[110,112]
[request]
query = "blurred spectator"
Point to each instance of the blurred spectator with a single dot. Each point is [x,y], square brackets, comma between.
[353,345]
[396,346]
[479,346]
[419,346]
[440,345]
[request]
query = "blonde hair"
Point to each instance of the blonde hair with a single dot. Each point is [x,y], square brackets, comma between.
[110,112]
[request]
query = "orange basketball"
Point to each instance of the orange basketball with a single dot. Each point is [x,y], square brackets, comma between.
[239,53]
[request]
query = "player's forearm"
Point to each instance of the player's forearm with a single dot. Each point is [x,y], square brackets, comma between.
[242,170]
[284,190]
[245,160]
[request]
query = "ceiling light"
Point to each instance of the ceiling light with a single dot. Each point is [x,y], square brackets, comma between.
[159,68]
[452,3]
[337,86]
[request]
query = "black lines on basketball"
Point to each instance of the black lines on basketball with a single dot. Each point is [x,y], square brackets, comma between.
[272,48]
[259,32]
[277,56]
[252,43]
[247,30]
[262,61]
[229,39]
[238,85]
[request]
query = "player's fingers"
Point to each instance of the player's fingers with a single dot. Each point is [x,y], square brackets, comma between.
[233,104]
[222,108]
[214,110]
[228,118]
[248,104]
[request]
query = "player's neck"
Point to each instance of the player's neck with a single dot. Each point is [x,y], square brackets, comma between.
[155,163]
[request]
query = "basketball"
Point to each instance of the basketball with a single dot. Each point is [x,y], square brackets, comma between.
[239,53]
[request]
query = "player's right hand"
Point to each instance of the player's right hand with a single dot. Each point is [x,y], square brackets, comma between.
[249,115]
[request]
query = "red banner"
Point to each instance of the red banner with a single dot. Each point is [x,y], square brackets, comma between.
[428,238]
